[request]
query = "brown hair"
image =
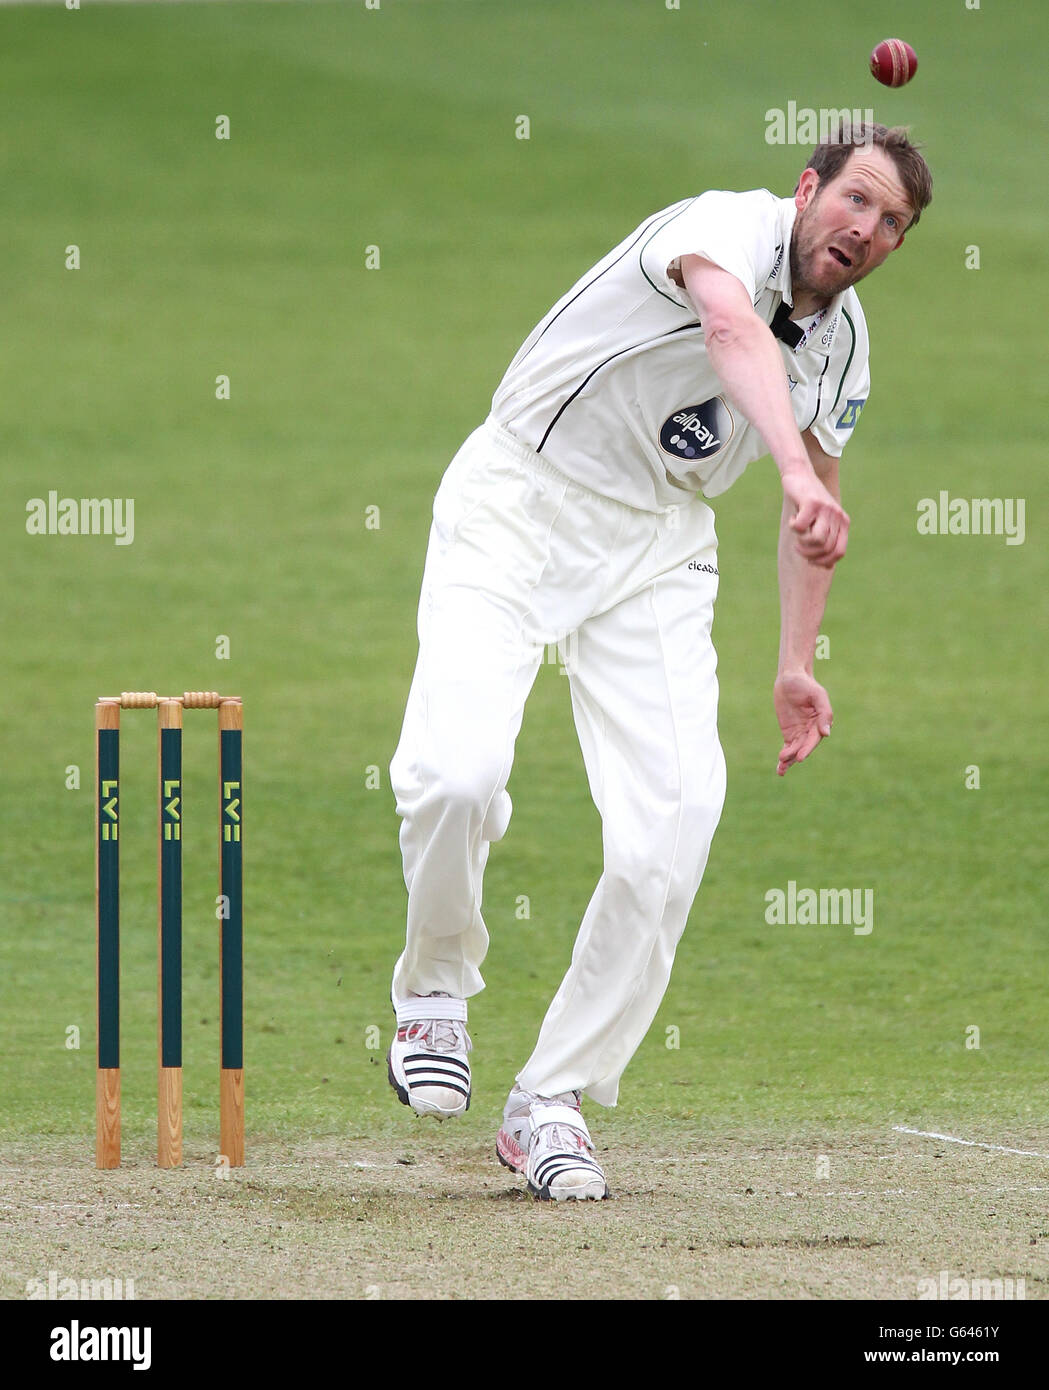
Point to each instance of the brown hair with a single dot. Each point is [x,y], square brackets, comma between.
[830,157]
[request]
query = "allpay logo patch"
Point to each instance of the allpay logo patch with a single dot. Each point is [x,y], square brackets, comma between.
[698,431]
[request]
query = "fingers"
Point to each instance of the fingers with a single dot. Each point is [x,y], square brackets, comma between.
[798,748]
[823,715]
[822,532]
[824,544]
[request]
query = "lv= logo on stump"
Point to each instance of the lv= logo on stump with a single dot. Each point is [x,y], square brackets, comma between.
[169,887]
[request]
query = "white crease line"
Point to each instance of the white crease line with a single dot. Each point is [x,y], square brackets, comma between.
[969,1143]
[883,1192]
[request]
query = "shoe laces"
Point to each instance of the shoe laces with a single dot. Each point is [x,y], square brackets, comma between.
[559,1138]
[439,1034]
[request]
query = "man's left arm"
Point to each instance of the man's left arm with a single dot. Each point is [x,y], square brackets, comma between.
[802,705]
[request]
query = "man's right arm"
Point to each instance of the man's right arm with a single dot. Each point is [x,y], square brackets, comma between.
[749,365]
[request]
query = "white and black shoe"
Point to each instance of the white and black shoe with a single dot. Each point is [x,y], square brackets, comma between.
[546,1139]
[427,1061]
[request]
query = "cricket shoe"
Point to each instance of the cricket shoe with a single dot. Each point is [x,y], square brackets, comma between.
[546,1139]
[427,1059]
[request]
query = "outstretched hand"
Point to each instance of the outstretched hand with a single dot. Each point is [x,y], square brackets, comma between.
[804,714]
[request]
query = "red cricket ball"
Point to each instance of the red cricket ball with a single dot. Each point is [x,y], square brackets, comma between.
[894,62]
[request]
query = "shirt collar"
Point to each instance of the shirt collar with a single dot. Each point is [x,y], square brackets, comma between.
[822,341]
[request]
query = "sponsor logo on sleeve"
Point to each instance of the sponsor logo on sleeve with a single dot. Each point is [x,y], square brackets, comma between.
[697,431]
[850,414]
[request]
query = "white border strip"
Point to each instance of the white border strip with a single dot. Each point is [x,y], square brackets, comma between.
[970,1143]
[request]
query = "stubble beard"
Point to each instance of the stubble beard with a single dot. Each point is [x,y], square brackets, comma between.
[802,254]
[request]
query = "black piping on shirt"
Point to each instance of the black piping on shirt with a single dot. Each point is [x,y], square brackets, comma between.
[633,347]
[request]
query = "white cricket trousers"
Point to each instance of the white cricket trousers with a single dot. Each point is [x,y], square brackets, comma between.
[520,557]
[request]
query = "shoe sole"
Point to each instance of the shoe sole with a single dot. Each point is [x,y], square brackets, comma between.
[541,1194]
[402,1095]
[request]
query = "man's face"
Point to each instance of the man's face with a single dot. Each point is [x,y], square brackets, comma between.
[846,227]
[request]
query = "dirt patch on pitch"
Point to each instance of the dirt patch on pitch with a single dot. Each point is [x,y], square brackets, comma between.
[440,1219]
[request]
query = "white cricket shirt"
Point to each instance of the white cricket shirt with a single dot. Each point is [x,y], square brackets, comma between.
[614,387]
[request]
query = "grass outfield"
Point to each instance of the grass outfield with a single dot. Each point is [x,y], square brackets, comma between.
[351,388]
